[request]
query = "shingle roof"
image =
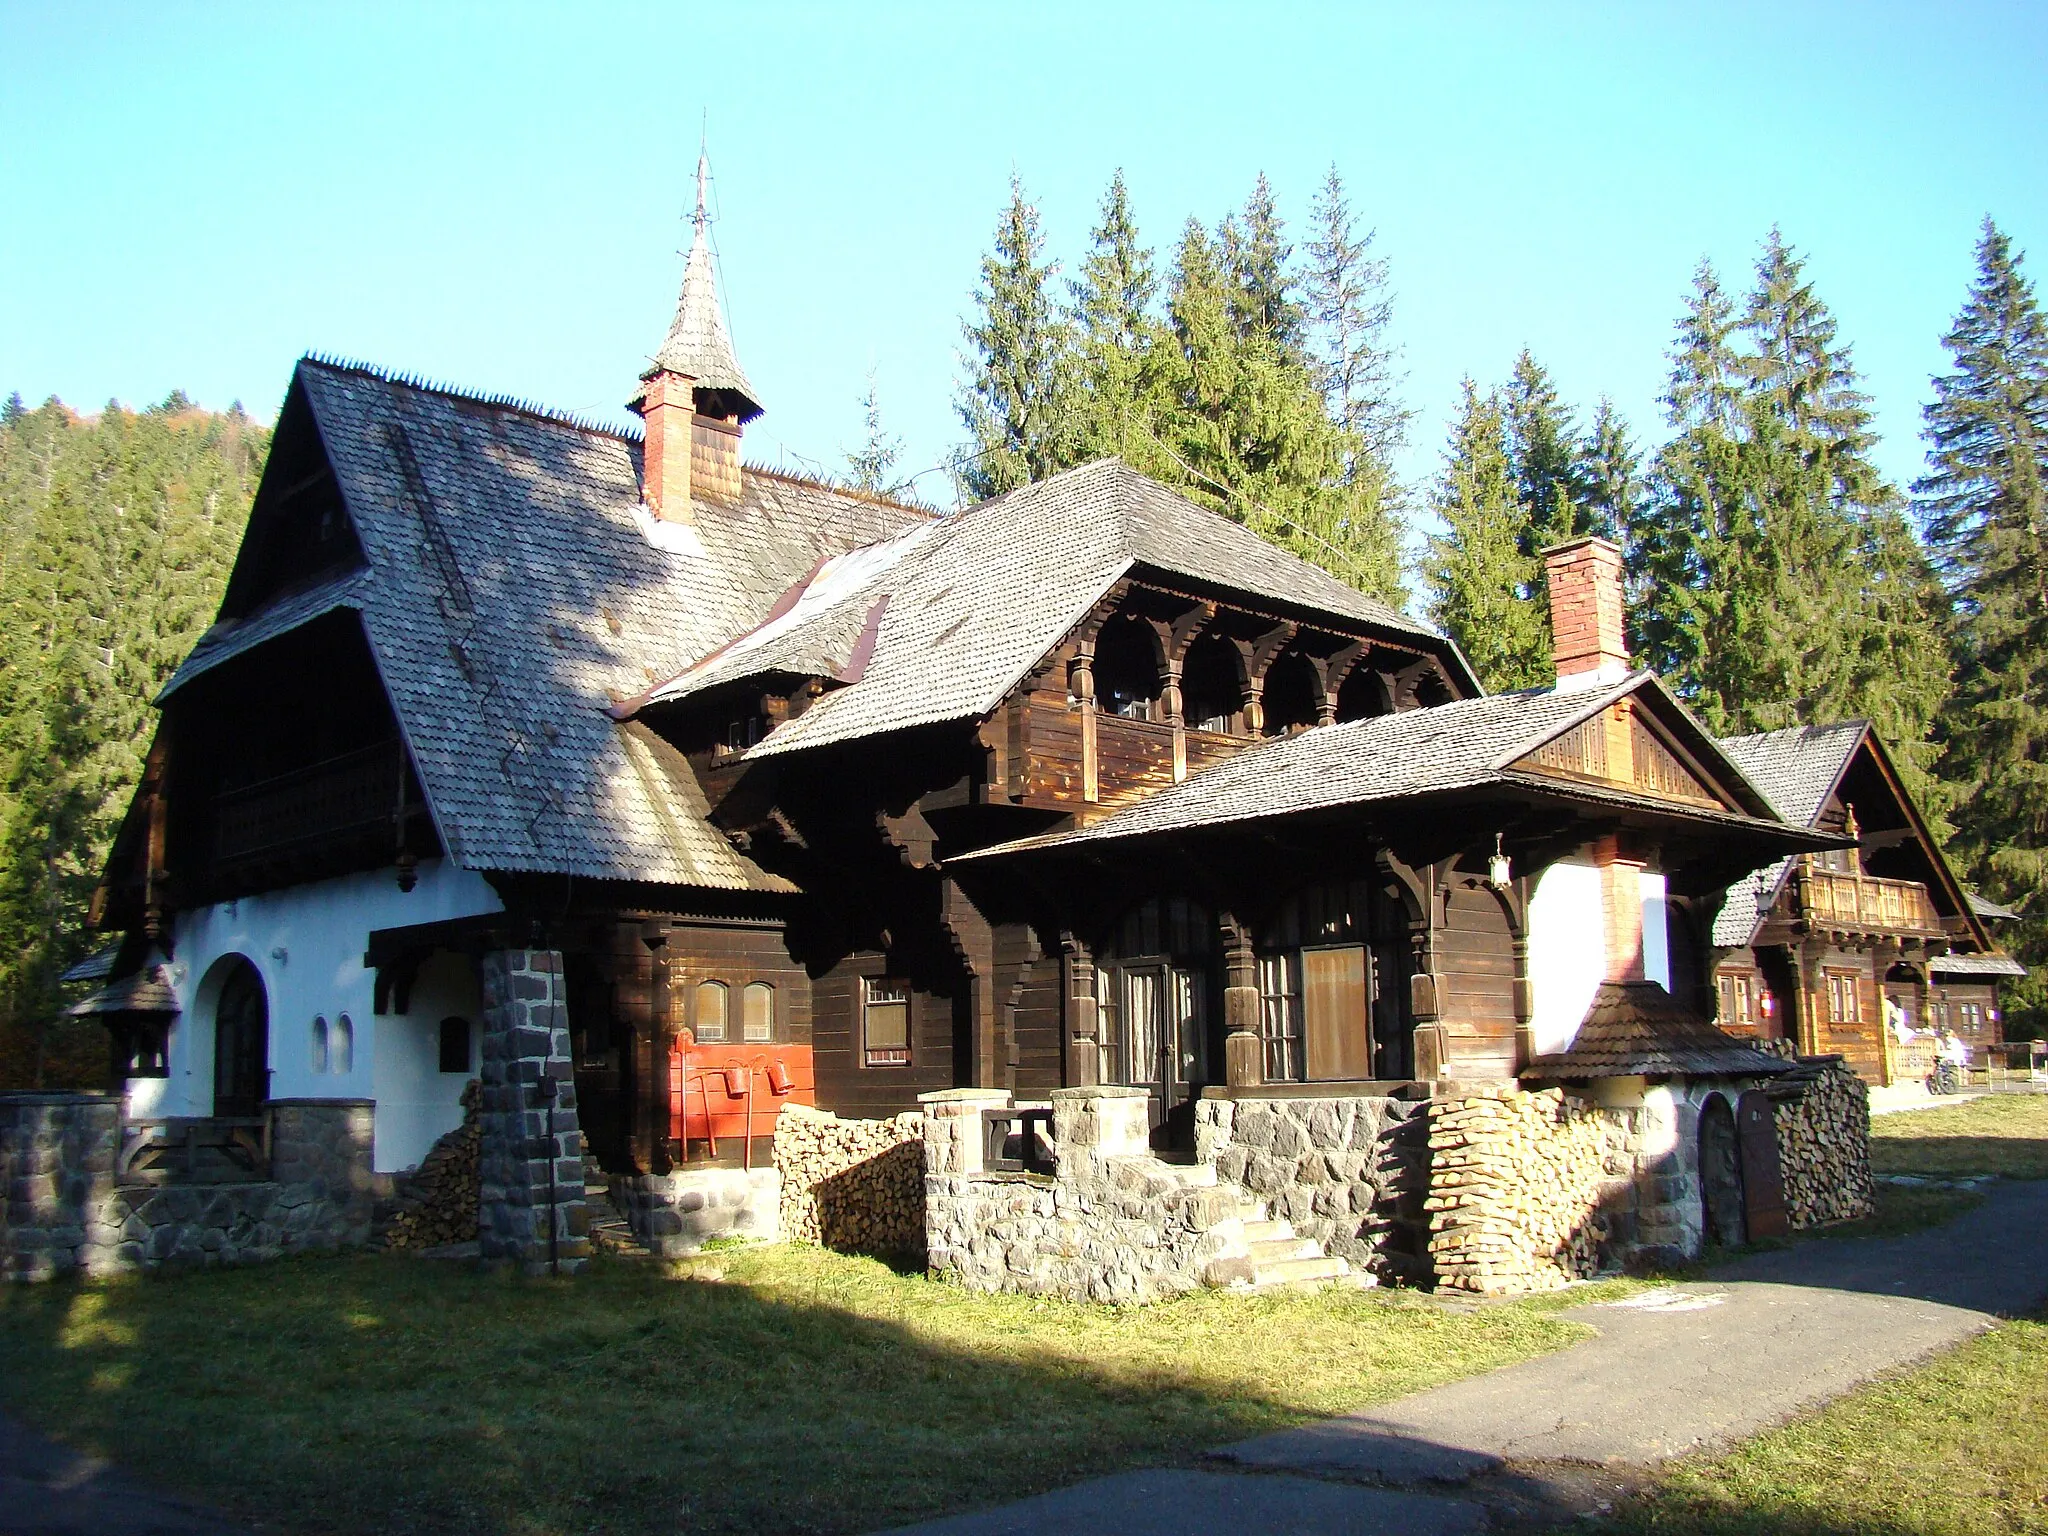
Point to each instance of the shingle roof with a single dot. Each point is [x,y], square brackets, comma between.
[1420,751]
[1798,768]
[145,991]
[978,598]
[1976,965]
[1984,906]
[502,690]
[1637,1029]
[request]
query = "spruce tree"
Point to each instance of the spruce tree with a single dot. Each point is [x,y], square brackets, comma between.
[1778,580]
[871,467]
[1117,335]
[1014,402]
[1350,311]
[1479,572]
[1255,255]
[1984,503]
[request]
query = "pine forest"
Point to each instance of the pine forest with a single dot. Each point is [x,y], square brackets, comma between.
[1776,576]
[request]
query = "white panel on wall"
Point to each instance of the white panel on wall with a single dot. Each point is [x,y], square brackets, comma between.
[1656,930]
[307,943]
[1567,952]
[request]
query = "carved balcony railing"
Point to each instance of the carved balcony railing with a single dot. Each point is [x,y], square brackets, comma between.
[341,797]
[1834,901]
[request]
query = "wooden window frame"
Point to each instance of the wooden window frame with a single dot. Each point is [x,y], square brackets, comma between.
[723,992]
[753,989]
[1739,994]
[1842,984]
[886,991]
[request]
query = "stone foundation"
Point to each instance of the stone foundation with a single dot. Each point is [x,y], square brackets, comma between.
[852,1185]
[530,1206]
[1352,1173]
[1115,1223]
[675,1214]
[64,1212]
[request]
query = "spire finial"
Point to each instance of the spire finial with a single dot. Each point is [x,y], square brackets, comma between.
[702,216]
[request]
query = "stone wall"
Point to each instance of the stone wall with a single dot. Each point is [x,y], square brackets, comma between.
[675,1214]
[853,1185]
[1115,1223]
[530,1206]
[1350,1172]
[65,1213]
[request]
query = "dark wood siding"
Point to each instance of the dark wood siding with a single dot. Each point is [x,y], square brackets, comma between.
[1476,959]
[845,1084]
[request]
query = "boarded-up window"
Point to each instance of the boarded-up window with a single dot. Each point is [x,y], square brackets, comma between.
[709,1023]
[885,1023]
[1337,1043]
[757,1013]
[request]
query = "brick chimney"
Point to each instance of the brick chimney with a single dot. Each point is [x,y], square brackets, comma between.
[1621,907]
[667,407]
[1586,616]
[695,399]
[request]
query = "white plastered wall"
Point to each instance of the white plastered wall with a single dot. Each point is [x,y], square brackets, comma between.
[1568,946]
[307,943]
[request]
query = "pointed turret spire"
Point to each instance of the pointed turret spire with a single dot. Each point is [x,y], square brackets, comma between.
[697,346]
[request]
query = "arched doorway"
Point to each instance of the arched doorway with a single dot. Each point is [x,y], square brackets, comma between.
[241,1044]
[1154,978]
[1721,1174]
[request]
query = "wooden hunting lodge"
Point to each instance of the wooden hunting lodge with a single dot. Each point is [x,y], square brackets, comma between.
[792,794]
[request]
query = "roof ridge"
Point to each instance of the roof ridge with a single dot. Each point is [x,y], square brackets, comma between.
[335,363]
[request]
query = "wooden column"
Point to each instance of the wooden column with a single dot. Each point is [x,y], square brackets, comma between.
[1244,1055]
[648,1123]
[1081,684]
[1083,1065]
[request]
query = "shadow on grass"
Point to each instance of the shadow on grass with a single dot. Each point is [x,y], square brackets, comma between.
[369,1395]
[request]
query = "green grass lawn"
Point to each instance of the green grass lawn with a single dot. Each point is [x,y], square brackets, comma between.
[2002,1133]
[768,1389]
[1956,1448]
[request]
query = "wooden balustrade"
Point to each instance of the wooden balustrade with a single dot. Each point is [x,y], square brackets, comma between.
[1835,899]
[352,793]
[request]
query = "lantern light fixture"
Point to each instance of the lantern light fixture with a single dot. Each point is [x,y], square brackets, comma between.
[1499,872]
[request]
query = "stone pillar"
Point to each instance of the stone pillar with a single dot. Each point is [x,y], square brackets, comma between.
[953,1140]
[1244,1056]
[531,1143]
[1100,1122]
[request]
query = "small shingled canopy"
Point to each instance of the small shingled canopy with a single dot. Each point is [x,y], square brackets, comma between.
[146,991]
[1637,1029]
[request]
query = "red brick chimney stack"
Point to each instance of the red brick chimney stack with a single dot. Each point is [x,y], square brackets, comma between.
[1586,617]
[667,409]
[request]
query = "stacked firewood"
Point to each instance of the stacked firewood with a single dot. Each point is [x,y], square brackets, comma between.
[436,1202]
[1822,1112]
[853,1185]
[1514,1190]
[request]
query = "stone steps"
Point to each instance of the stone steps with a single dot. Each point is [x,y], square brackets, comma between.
[1269,1255]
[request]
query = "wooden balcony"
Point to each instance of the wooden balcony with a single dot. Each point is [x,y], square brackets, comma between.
[335,800]
[1834,902]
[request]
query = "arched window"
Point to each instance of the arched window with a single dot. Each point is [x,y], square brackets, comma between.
[319,1044]
[341,1046]
[709,1014]
[1316,986]
[757,1013]
[1212,686]
[1292,694]
[455,1044]
[1127,669]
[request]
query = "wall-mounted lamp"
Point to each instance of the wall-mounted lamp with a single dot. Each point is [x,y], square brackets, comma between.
[1499,872]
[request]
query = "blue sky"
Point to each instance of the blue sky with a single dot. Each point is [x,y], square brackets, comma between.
[192,195]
